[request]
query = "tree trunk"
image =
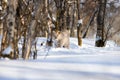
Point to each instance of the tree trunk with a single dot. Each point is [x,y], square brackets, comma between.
[49,25]
[30,39]
[79,34]
[72,34]
[31,33]
[60,5]
[13,28]
[9,38]
[100,24]
[3,23]
[89,23]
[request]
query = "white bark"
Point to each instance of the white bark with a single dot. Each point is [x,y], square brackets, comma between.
[30,39]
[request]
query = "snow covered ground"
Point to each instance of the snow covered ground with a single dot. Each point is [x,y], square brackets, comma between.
[77,63]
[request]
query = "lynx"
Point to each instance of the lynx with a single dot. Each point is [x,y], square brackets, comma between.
[62,38]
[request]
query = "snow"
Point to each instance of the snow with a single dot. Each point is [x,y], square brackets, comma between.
[54,18]
[77,63]
[80,21]
[116,2]
[0,7]
[8,50]
[117,5]
[82,1]
[6,1]
[1,18]
[98,38]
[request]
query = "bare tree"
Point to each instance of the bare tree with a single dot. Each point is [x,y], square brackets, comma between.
[60,14]
[89,23]
[9,31]
[100,42]
[31,31]
[79,34]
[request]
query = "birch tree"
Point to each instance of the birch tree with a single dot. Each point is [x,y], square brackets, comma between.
[9,39]
[31,31]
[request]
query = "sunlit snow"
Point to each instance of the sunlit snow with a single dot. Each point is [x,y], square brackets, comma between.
[77,63]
